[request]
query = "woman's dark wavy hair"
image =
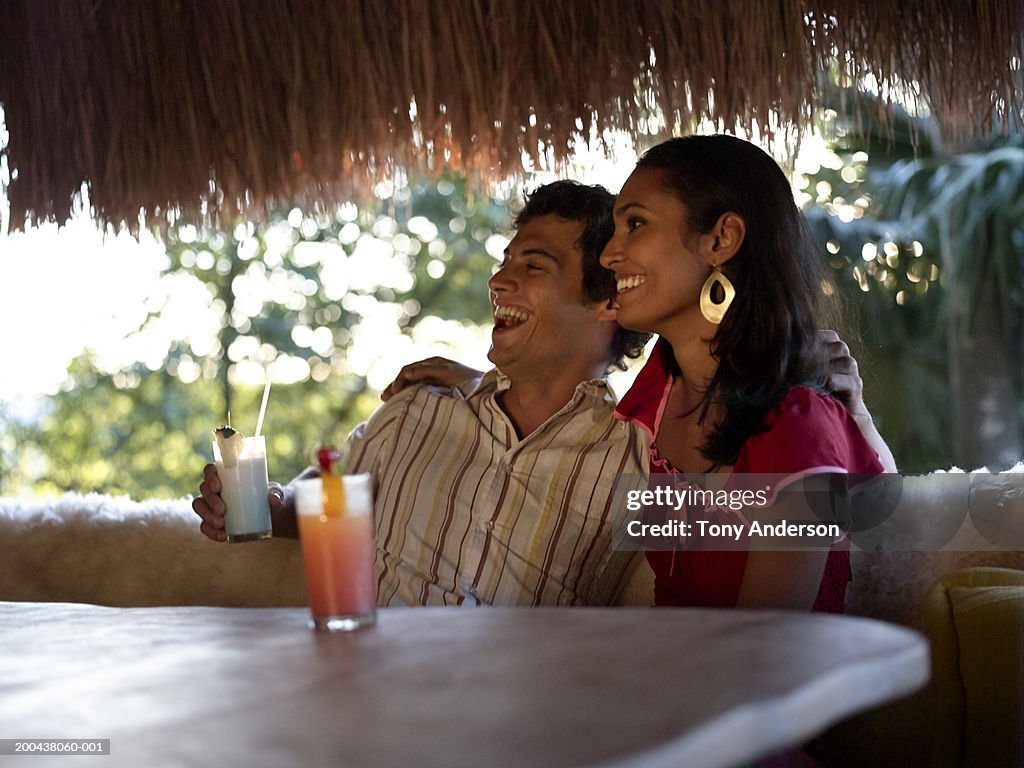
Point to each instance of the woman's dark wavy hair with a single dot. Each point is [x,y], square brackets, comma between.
[592,206]
[768,340]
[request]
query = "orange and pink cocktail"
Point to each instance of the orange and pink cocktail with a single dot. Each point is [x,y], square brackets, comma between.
[335,515]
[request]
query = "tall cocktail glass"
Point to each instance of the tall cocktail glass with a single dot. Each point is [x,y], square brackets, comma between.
[338,550]
[243,480]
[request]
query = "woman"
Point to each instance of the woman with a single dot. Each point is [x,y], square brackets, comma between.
[711,253]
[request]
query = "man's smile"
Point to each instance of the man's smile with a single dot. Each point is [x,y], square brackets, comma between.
[506,317]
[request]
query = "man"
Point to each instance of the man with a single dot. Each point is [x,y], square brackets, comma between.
[500,490]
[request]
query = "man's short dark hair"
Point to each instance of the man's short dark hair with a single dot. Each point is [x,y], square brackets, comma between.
[592,206]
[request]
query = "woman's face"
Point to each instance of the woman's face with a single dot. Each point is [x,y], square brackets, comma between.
[656,258]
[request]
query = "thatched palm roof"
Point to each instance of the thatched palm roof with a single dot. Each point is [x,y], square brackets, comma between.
[155,104]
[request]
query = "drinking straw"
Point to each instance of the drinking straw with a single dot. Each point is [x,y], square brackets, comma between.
[266,394]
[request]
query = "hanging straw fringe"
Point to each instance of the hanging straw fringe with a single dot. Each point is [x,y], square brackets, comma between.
[174,106]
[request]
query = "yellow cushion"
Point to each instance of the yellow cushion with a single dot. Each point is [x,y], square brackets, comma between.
[976,621]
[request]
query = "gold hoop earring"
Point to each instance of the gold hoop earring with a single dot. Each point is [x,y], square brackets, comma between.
[713,310]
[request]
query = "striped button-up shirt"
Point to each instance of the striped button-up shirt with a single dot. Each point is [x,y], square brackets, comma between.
[466,512]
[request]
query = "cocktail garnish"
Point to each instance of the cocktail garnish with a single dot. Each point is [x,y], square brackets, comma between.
[328,457]
[230,442]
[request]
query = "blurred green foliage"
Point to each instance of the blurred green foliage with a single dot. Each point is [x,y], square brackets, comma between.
[927,248]
[298,286]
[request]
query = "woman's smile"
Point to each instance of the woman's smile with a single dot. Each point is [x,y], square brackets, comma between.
[628,282]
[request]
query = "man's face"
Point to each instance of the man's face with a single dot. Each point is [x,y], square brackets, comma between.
[542,323]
